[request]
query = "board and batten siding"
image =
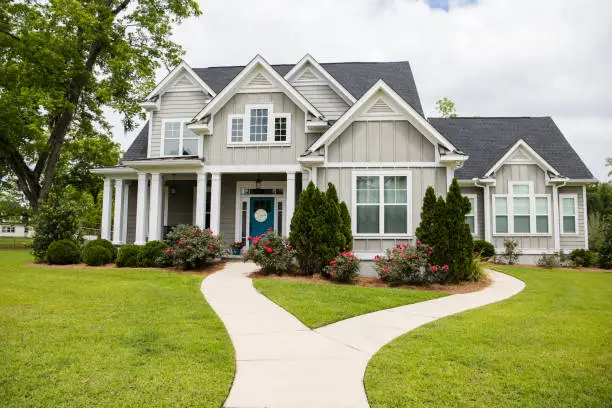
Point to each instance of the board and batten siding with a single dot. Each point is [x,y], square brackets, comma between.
[577,240]
[325,99]
[381,141]
[421,179]
[527,173]
[477,191]
[174,105]
[218,152]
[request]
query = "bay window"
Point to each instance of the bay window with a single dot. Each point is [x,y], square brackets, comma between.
[381,204]
[259,124]
[178,140]
[522,212]
[569,213]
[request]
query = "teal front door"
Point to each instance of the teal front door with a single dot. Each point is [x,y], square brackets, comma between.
[262,215]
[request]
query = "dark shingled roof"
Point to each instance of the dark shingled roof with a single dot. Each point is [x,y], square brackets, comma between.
[486,140]
[356,77]
[138,148]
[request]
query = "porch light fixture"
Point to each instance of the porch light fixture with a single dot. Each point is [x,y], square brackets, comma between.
[173,187]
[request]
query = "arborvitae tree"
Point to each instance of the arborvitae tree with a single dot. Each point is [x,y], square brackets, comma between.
[460,245]
[425,229]
[334,240]
[308,229]
[346,226]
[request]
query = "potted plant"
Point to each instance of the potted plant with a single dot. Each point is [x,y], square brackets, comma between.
[236,247]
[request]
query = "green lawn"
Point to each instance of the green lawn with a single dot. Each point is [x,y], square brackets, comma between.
[549,346]
[108,338]
[318,304]
[21,242]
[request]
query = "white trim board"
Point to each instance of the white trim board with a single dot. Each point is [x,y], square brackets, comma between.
[411,115]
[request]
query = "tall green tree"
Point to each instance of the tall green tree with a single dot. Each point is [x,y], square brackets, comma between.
[62,62]
[446,108]
[425,230]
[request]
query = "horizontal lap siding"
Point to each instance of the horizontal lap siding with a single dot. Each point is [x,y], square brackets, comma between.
[421,179]
[218,152]
[328,102]
[381,141]
[574,241]
[174,105]
[479,208]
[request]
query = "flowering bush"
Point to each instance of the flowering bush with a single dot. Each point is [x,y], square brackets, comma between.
[410,265]
[271,252]
[191,247]
[343,268]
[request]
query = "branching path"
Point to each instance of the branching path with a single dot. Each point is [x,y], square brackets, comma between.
[280,363]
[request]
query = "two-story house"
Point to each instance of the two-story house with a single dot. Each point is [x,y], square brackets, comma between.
[231,148]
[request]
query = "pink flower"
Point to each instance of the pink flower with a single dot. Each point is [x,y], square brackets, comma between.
[434,268]
[445,267]
[269,250]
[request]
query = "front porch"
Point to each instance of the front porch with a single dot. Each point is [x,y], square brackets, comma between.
[141,206]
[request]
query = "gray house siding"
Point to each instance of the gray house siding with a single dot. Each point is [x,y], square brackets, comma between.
[324,99]
[218,152]
[381,141]
[477,191]
[421,179]
[174,105]
[577,240]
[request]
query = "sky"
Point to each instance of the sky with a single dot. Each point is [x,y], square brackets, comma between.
[491,57]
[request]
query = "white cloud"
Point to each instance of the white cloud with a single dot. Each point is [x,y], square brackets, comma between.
[494,58]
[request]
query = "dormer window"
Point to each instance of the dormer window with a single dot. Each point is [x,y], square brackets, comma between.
[264,126]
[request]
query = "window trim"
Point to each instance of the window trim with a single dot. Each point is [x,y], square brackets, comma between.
[183,122]
[381,174]
[561,215]
[532,212]
[246,126]
[475,212]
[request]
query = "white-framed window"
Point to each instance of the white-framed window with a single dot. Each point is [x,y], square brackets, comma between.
[569,213]
[381,203]
[8,229]
[177,139]
[259,124]
[471,217]
[521,212]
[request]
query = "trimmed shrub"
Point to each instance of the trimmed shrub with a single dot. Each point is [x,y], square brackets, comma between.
[63,252]
[96,255]
[105,244]
[583,257]
[150,252]
[57,219]
[191,247]
[271,252]
[343,268]
[484,248]
[128,256]
[405,264]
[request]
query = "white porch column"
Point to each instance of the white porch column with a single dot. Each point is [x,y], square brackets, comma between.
[118,221]
[200,218]
[155,211]
[141,210]
[487,213]
[107,209]
[215,203]
[290,203]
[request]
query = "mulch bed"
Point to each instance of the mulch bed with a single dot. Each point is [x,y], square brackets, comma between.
[464,287]
[208,269]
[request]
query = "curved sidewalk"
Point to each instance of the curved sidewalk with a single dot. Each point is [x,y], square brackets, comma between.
[280,363]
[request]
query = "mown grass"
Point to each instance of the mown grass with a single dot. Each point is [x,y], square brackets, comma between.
[317,304]
[548,346]
[108,338]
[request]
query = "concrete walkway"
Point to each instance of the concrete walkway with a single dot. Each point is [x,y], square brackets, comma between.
[280,363]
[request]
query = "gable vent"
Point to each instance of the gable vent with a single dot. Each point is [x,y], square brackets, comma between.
[259,80]
[380,107]
[308,75]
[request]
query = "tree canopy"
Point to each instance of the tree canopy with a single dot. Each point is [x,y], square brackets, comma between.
[62,62]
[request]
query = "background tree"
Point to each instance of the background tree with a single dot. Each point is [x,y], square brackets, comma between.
[62,62]
[425,230]
[446,108]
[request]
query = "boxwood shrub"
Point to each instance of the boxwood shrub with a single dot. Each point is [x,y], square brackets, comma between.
[63,252]
[150,252]
[128,256]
